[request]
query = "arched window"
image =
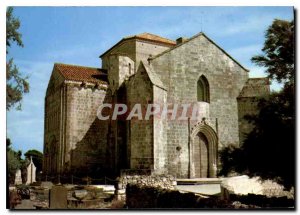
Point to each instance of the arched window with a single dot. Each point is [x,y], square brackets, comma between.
[202,89]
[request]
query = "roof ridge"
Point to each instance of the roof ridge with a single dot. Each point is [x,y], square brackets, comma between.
[177,45]
[146,33]
[81,73]
[193,37]
[164,41]
[152,35]
[73,65]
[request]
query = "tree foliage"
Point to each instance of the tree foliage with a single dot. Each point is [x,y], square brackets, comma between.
[278,51]
[12,26]
[14,161]
[16,84]
[269,149]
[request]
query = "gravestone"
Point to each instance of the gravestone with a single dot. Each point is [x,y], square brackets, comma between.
[18,177]
[31,172]
[58,197]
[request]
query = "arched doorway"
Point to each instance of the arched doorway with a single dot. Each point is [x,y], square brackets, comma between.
[201,156]
[203,151]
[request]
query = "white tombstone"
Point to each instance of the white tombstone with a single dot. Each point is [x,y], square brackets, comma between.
[18,177]
[31,170]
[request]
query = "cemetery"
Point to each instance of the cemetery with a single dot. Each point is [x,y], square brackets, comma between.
[35,194]
[146,190]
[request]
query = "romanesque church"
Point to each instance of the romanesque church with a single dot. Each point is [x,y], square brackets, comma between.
[146,69]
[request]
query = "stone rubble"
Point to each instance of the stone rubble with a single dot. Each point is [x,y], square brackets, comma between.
[165,182]
[243,185]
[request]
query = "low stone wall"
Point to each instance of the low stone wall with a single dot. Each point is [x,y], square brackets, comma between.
[263,201]
[159,181]
[167,182]
[138,196]
[153,197]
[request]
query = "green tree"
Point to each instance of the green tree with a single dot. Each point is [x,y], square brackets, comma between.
[16,84]
[269,150]
[37,158]
[14,161]
[278,51]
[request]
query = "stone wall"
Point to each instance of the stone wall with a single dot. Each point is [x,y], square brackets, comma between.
[179,69]
[142,177]
[86,135]
[136,135]
[136,50]
[140,134]
[121,68]
[138,196]
[159,134]
[52,124]
[159,181]
[146,49]
[127,47]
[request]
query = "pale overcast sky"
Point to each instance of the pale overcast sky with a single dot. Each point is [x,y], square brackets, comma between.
[78,35]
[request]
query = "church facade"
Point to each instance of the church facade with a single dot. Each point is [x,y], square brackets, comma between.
[148,69]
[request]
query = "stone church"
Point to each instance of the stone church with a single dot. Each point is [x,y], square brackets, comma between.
[146,69]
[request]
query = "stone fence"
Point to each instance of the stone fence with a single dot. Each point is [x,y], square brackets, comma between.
[138,196]
[156,181]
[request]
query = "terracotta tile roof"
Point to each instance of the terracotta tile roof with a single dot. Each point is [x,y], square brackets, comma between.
[256,87]
[81,73]
[152,37]
[145,37]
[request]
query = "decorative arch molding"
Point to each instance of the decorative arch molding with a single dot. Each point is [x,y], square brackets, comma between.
[212,138]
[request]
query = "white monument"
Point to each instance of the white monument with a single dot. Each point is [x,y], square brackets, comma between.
[31,170]
[18,177]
